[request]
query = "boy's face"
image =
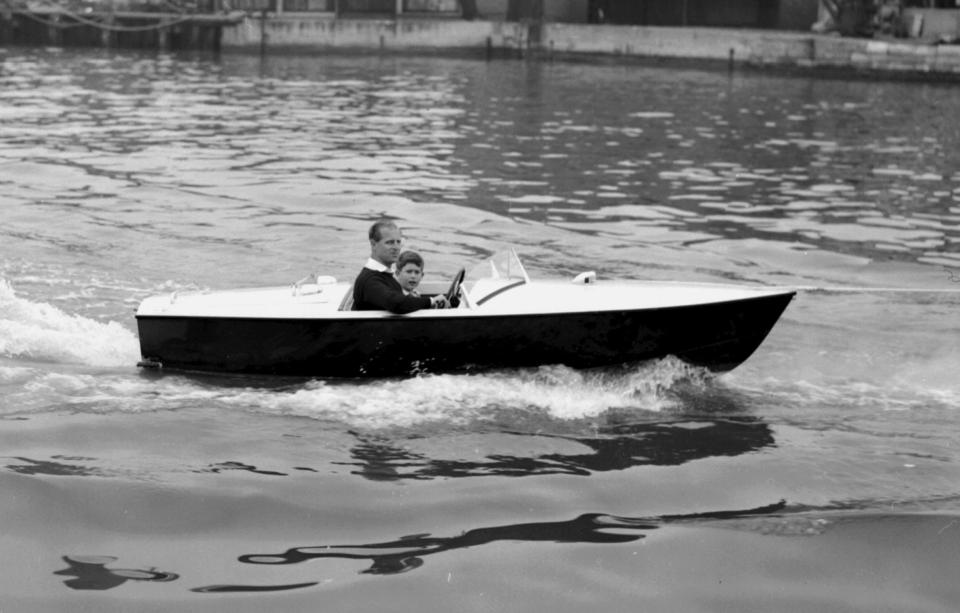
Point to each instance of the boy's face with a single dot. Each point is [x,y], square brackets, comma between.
[409,276]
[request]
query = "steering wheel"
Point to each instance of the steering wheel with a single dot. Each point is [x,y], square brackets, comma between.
[452,294]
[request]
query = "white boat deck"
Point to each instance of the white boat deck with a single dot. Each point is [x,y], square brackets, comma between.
[323,300]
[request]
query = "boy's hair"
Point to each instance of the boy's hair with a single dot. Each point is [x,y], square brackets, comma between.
[409,257]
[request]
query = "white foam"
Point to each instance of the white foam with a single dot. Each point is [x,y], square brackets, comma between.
[453,401]
[652,115]
[556,392]
[42,332]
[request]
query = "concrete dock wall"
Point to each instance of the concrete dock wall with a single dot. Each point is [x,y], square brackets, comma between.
[736,46]
[310,32]
[889,56]
[286,32]
[754,47]
[759,46]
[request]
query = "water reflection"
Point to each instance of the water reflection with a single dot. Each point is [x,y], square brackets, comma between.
[221,467]
[239,589]
[407,553]
[616,447]
[55,467]
[91,573]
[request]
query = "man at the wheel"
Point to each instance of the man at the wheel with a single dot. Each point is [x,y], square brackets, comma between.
[376,287]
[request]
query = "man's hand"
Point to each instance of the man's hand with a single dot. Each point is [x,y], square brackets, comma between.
[439,302]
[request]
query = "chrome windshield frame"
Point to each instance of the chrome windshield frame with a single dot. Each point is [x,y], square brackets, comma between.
[496,274]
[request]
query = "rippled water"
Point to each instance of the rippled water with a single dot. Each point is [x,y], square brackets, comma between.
[129,174]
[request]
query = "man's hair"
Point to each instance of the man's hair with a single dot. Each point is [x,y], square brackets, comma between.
[409,257]
[376,230]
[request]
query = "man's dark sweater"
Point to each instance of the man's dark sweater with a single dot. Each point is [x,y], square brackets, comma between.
[380,291]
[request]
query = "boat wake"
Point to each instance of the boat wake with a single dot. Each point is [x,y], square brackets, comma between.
[543,398]
[40,332]
[494,399]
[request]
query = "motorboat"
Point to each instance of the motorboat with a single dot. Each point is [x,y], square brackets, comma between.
[504,319]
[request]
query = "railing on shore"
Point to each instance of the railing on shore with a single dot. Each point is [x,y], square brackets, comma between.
[196,24]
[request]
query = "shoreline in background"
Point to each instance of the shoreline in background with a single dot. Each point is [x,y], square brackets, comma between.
[268,33]
[735,47]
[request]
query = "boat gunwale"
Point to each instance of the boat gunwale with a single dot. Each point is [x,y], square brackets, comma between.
[468,313]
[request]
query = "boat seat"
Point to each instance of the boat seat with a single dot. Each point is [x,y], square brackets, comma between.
[347,303]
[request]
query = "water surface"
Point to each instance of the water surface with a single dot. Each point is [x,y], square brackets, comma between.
[819,476]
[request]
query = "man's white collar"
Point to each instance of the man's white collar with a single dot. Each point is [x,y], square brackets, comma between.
[373,264]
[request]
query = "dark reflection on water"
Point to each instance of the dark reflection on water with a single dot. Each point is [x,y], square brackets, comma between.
[617,447]
[54,467]
[239,466]
[226,589]
[670,443]
[91,573]
[708,420]
[406,553]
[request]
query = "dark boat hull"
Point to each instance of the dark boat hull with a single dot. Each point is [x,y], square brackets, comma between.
[718,336]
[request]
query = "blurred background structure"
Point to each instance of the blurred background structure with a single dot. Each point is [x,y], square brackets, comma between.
[891,35]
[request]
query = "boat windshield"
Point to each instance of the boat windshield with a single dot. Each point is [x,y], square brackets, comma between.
[496,274]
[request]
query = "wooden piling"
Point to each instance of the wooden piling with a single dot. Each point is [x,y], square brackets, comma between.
[263,32]
[54,32]
[6,26]
[108,37]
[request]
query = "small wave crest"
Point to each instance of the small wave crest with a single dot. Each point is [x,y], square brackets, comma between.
[41,332]
[855,394]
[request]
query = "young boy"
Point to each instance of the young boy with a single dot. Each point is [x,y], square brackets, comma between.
[409,272]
